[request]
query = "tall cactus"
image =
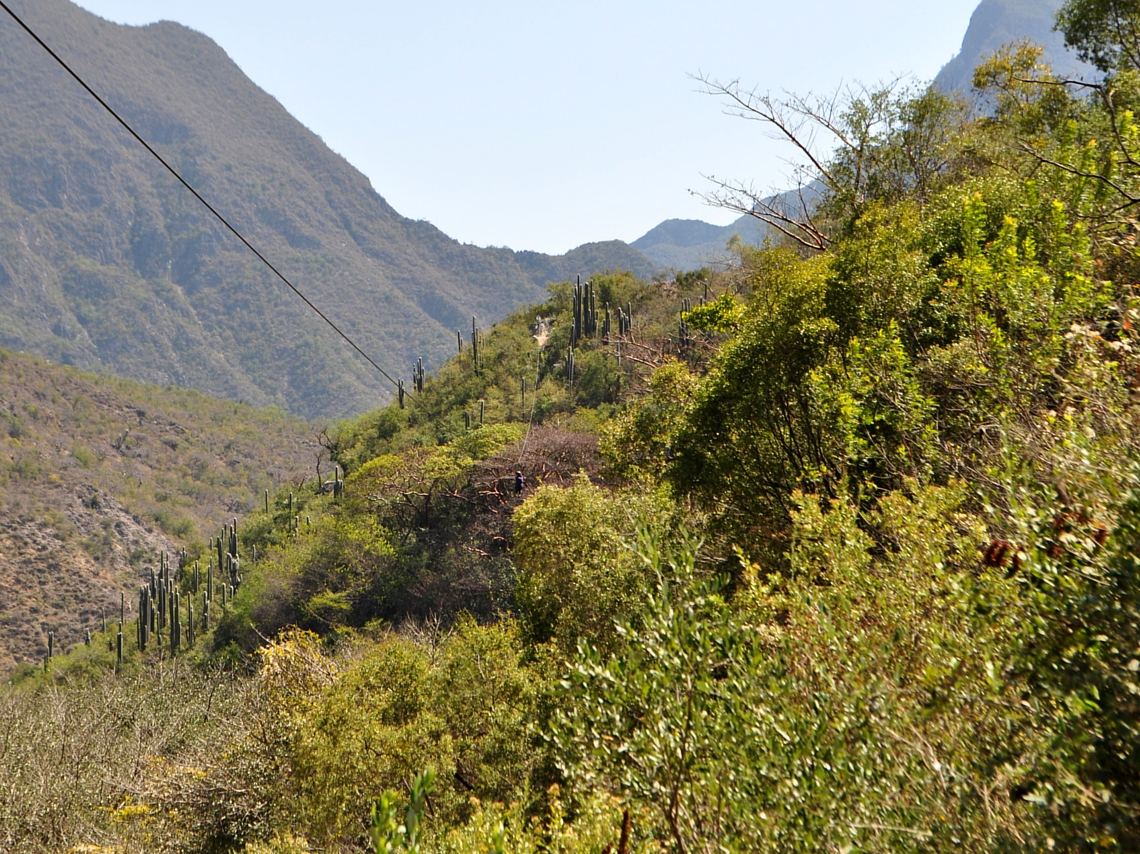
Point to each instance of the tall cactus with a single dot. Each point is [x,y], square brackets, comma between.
[576,317]
[142,627]
[474,346]
[175,623]
[684,330]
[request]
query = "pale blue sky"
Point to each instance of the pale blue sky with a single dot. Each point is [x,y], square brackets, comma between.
[544,126]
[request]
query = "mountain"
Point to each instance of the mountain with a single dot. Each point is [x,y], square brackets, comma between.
[106,263]
[687,244]
[998,22]
[97,475]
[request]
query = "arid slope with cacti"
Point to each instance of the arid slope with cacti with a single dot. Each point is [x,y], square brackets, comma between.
[98,475]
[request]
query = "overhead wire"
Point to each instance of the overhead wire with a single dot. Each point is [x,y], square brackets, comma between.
[198,195]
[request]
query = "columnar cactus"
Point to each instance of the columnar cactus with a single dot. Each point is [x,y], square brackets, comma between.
[142,625]
[474,345]
[576,305]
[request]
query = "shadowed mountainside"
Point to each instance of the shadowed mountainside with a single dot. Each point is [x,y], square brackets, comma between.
[107,263]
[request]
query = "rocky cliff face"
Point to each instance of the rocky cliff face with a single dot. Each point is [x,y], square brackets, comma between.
[999,22]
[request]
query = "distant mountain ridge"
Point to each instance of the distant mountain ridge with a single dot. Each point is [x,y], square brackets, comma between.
[106,263]
[687,244]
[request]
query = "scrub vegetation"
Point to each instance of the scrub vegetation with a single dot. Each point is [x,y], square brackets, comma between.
[834,550]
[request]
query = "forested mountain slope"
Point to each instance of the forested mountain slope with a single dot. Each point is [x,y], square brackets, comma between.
[98,475]
[106,263]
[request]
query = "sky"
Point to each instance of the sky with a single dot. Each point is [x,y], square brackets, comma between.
[543,126]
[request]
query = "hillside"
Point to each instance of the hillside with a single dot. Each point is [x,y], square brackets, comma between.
[106,264]
[97,475]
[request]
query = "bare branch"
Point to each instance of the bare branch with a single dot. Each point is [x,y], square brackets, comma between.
[789,119]
[801,228]
[1081,173]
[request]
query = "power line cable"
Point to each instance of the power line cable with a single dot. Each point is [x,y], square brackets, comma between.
[197,195]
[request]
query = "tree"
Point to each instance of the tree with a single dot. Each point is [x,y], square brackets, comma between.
[887,141]
[1105,33]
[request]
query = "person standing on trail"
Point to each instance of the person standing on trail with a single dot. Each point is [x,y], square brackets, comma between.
[520,482]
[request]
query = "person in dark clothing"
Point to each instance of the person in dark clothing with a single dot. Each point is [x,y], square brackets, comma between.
[520,482]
